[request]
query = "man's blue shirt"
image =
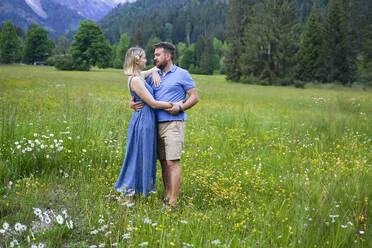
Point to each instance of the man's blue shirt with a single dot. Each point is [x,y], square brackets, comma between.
[173,87]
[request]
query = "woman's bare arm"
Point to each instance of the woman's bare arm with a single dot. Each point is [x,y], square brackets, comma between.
[138,86]
[155,76]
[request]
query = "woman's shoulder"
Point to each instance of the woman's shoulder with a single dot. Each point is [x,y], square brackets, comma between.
[136,81]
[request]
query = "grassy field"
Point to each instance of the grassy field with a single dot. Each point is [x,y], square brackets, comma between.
[262,166]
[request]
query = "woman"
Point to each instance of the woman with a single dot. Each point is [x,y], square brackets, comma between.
[138,173]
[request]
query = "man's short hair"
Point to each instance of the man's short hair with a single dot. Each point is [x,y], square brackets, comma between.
[167,46]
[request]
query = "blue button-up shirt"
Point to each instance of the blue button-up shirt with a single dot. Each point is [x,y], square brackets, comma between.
[173,87]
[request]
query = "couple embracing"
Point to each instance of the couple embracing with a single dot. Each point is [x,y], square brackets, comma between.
[157,127]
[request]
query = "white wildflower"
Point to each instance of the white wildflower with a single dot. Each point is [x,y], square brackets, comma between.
[184,221]
[18,226]
[59,219]
[5,226]
[69,224]
[126,236]
[13,243]
[37,211]
[147,221]
[144,244]
[47,220]
[215,242]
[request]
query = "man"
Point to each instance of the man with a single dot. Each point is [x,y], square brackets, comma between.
[176,83]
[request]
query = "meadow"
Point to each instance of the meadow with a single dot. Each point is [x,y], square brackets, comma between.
[262,166]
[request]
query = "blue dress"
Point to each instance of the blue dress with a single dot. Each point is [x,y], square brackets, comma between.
[138,174]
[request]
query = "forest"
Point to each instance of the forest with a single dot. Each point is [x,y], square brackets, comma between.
[283,42]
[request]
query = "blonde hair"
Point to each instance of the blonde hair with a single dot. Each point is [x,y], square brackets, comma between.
[132,56]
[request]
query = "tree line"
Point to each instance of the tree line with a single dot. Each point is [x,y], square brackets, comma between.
[89,47]
[265,42]
[270,46]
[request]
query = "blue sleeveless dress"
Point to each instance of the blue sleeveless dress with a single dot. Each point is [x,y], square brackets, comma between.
[138,174]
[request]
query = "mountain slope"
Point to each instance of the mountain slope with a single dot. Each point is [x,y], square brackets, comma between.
[181,20]
[56,18]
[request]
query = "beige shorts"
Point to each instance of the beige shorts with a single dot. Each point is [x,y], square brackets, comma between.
[171,135]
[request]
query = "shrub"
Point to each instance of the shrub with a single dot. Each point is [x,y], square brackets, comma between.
[64,62]
[299,84]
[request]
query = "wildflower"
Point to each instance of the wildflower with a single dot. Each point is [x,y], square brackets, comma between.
[215,242]
[41,245]
[361,232]
[147,220]
[184,221]
[114,244]
[33,246]
[5,226]
[93,246]
[349,223]
[103,228]
[64,212]
[37,211]
[101,220]
[94,232]
[47,220]
[126,236]
[102,245]
[108,233]
[23,228]
[13,243]
[144,243]
[343,226]
[154,224]
[69,224]
[59,219]
[19,147]
[2,231]
[18,226]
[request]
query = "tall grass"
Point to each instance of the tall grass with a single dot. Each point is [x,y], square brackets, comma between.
[262,166]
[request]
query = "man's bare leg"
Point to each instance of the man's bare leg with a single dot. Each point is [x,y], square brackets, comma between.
[172,179]
[164,173]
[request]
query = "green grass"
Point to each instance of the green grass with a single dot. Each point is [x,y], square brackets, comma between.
[262,166]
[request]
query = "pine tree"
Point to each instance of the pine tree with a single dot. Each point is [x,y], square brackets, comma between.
[366,66]
[90,48]
[37,45]
[188,58]
[10,46]
[150,50]
[338,55]
[62,46]
[120,51]
[208,60]
[271,42]
[236,20]
[311,58]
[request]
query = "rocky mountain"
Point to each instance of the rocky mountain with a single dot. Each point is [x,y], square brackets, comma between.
[56,16]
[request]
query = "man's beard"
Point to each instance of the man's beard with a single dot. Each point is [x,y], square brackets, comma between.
[161,66]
